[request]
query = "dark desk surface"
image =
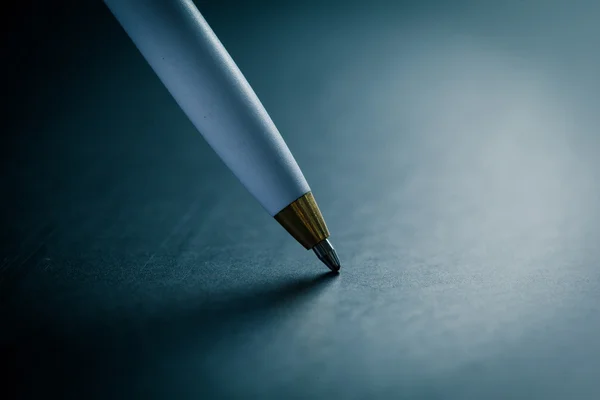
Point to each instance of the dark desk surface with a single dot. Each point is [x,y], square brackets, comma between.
[452,148]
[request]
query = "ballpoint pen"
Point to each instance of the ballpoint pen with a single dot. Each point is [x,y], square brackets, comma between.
[197,70]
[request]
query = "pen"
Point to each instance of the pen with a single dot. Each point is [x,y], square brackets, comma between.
[197,70]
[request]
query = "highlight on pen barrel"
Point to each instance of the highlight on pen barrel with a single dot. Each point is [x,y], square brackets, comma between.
[303,220]
[200,74]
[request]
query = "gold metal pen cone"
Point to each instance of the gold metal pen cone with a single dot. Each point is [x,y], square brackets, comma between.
[304,221]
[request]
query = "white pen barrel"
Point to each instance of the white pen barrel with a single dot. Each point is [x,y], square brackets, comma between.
[192,63]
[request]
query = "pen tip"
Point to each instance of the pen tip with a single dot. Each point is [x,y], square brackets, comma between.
[327,254]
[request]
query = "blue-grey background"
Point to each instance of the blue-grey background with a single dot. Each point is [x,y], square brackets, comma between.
[453,149]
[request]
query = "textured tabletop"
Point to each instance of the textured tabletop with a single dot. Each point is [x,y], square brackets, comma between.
[453,148]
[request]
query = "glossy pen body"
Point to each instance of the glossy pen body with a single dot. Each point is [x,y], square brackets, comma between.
[191,62]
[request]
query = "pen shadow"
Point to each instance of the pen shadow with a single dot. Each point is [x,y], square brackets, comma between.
[139,345]
[263,298]
[215,319]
